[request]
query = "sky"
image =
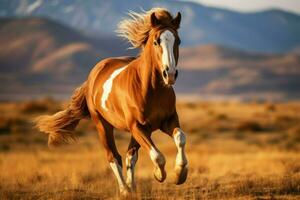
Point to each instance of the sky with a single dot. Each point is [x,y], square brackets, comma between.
[254,5]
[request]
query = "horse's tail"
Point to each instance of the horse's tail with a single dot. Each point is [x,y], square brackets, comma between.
[60,126]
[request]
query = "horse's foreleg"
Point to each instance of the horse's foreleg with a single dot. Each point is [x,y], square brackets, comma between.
[181,169]
[171,127]
[105,131]
[131,159]
[142,136]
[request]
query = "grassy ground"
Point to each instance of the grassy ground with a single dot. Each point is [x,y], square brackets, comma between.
[235,151]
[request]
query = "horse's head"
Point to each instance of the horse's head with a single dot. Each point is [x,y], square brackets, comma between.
[164,42]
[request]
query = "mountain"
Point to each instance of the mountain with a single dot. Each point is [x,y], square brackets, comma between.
[42,56]
[266,31]
[212,70]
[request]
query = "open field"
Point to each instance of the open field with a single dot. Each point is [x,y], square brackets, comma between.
[235,151]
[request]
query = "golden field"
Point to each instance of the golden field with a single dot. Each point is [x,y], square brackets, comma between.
[235,151]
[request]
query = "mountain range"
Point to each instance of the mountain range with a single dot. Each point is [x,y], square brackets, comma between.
[217,70]
[40,57]
[274,31]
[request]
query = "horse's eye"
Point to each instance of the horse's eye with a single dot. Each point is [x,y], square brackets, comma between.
[179,41]
[157,42]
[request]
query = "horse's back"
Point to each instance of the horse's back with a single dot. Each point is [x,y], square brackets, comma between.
[109,64]
[103,69]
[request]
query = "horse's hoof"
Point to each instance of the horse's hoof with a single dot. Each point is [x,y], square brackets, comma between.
[160,174]
[125,192]
[132,187]
[180,174]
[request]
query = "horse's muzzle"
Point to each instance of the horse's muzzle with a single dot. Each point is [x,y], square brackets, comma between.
[170,78]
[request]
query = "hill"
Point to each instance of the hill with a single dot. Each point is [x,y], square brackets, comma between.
[42,56]
[219,70]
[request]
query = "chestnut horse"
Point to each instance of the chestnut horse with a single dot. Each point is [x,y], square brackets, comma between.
[131,94]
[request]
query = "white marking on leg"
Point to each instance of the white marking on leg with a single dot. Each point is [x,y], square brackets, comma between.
[180,140]
[107,86]
[118,173]
[156,157]
[159,163]
[130,164]
[167,39]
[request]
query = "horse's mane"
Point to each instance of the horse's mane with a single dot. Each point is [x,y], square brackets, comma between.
[137,27]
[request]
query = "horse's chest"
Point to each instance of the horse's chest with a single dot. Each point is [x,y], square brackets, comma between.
[158,112]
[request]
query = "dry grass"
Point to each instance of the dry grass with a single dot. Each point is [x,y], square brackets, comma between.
[229,156]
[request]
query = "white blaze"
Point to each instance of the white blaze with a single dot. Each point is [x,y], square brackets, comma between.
[167,40]
[107,86]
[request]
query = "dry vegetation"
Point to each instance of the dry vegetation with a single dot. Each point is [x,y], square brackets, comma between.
[236,151]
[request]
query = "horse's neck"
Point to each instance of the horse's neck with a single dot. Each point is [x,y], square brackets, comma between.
[150,81]
[149,86]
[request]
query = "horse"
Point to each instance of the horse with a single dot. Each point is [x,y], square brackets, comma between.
[133,94]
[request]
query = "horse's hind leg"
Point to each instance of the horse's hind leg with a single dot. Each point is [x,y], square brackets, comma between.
[131,159]
[172,128]
[142,136]
[105,131]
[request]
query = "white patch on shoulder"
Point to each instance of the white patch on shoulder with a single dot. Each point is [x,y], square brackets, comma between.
[107,86]
[167,39]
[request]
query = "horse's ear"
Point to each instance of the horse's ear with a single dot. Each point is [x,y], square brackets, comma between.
[154,20]
[176,20]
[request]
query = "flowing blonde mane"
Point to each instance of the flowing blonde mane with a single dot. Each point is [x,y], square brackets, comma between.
[136,28]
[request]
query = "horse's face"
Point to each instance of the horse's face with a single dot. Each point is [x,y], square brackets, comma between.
[165,42]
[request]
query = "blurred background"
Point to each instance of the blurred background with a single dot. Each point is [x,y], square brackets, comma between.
[238,96]
[230,50]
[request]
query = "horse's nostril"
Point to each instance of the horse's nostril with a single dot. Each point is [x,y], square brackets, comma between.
[165,74]
[176,73]
[167,68]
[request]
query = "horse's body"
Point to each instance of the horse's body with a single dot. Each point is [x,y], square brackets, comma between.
[129,101]
[132,94]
